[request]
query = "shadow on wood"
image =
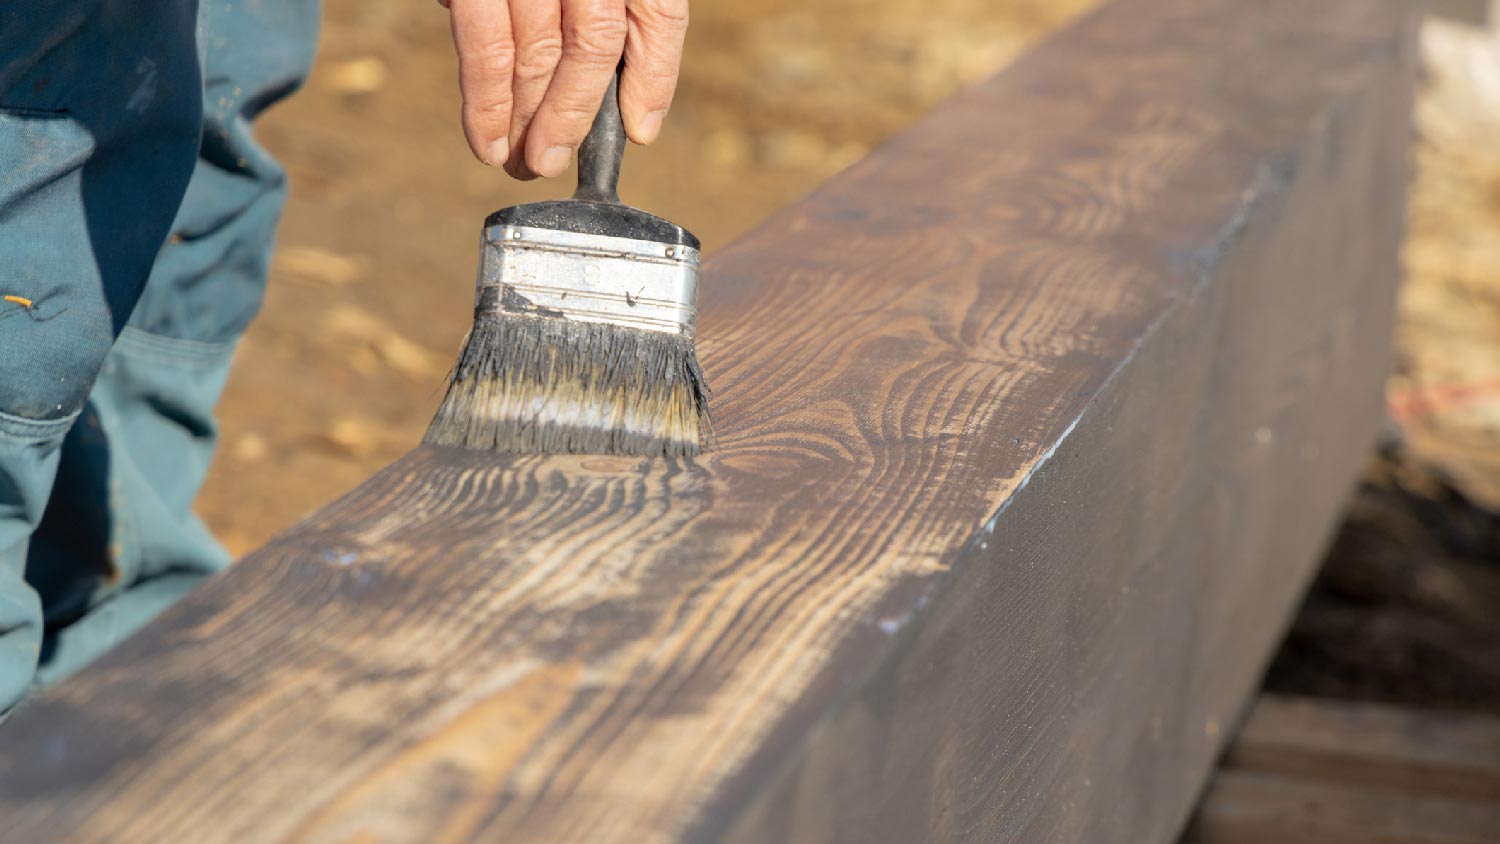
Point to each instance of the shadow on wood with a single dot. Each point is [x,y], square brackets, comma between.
[1031,428]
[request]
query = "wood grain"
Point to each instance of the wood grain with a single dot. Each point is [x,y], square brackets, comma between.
[1030,428]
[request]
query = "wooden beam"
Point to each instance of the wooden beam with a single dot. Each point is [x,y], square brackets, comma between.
[1031,428]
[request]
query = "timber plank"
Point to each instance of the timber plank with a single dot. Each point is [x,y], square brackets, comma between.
[1031,427]
[1333,771]
[1372,744]
[1244,807]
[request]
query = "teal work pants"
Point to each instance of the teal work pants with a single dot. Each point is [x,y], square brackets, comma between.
[136,222]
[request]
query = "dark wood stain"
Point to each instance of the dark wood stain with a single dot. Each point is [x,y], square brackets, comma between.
[1030,428]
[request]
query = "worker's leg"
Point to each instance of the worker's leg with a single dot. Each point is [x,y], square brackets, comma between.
[99,126]
[111,555]
[120,541]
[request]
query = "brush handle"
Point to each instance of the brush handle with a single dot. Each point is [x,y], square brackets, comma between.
[600,154]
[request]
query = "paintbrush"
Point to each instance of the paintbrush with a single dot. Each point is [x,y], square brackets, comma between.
[583,325]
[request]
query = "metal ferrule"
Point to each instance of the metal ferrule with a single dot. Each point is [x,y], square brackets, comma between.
[547,273]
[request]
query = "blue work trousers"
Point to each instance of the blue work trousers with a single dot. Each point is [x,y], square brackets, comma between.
[136,223]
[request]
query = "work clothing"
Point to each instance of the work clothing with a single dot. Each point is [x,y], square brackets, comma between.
[136,223]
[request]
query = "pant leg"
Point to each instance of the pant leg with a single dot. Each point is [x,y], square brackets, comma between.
[100,110]
[133,466]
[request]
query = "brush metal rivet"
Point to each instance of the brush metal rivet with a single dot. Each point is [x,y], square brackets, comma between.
[515,235]
[671,251]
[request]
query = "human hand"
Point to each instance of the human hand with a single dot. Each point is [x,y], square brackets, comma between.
[533,73]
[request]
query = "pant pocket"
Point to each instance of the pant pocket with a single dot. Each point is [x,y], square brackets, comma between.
[54,318]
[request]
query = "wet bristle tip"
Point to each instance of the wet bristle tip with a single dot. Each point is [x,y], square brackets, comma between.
[556,386]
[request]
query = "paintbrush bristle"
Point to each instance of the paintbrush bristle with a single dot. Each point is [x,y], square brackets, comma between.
[557,386]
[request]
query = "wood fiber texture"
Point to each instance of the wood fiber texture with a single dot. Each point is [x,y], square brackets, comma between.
[1031,427]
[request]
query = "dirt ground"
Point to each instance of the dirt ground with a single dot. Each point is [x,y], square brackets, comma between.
[370,293]
[372,288]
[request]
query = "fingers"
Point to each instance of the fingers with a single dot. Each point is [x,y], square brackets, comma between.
[593,39]
[533,73]
[653,53]
[486,62]
[539,47]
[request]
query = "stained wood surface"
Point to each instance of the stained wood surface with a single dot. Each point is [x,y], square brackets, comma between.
[1333,772]
[1030,428]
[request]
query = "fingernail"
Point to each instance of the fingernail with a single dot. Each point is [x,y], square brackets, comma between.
[554,161]
[651,125]
[498,153]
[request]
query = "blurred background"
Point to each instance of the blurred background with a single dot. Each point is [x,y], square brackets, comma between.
[370,293]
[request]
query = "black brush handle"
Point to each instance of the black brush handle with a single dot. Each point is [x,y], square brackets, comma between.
[600,154]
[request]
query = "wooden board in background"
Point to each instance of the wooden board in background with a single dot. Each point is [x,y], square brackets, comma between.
[1386,746]
[1031,428]
[1250,808]
[1336,772]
